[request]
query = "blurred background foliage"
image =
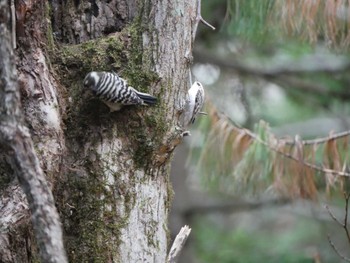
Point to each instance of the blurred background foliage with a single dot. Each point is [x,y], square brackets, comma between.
[287,63]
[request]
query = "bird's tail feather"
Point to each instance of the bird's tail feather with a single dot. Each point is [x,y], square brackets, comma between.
[147,99]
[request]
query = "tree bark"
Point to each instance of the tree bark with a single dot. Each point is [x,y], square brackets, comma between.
[109,171]
[18,149]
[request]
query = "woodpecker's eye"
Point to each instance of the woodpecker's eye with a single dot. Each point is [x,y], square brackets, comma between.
[198,84]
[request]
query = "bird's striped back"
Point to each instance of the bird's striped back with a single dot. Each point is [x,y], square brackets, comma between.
[112,88]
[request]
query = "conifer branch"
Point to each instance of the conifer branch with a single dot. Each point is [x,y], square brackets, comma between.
[280,152]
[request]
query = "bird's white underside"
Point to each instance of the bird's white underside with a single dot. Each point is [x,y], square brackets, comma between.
[113,106]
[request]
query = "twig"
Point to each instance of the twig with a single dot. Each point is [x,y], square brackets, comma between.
[206,23]
[336,250]
[178,244]
[199,18]
[332,215]
[334,136]
[344,225]
[346,196]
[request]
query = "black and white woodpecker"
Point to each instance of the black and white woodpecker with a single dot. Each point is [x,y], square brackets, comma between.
[114,90]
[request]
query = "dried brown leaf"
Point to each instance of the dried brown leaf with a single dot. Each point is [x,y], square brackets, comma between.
[240,145]
[279,170]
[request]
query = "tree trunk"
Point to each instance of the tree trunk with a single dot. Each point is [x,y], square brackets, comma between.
[109,171]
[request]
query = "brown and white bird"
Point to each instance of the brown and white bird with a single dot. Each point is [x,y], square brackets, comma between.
[194,102]
[114,90]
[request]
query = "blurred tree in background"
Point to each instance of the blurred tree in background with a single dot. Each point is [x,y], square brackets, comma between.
[287,63]
[284,62]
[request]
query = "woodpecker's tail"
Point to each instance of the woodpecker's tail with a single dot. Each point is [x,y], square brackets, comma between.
[147,99]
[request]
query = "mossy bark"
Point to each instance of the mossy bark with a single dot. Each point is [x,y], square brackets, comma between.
[109,171]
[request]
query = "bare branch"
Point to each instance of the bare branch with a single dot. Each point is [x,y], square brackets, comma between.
[178,244]
[346,196]
[344,225]
[334,136]
[333,216]
[17,145]
[198,19]
[206,23]
[336,250]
